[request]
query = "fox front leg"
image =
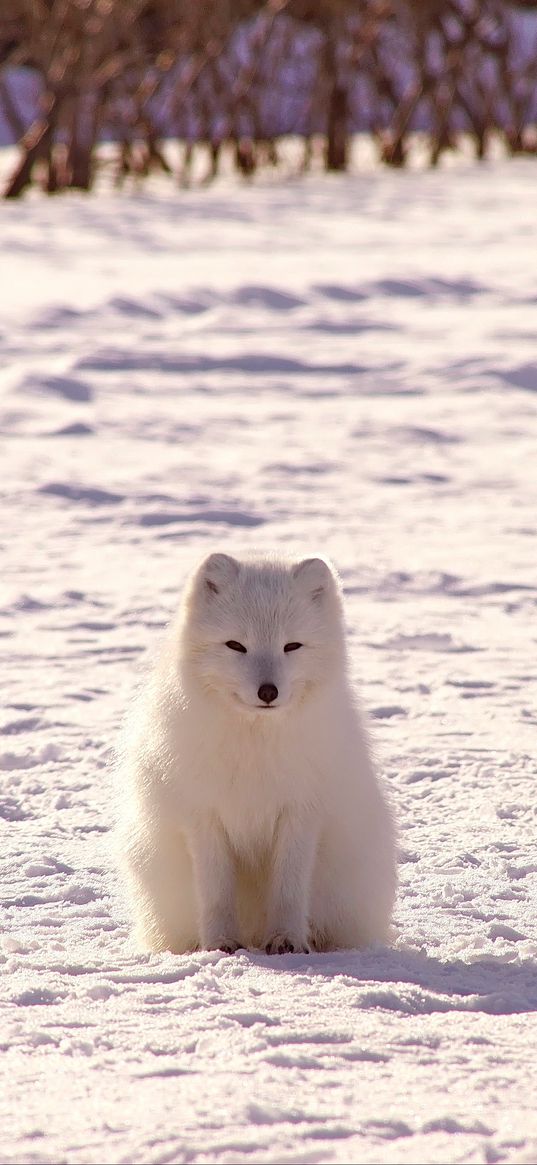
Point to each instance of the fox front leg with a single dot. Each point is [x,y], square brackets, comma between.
[293,857]
[214,876]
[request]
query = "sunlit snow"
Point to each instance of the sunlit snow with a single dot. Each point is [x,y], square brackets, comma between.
[345,365]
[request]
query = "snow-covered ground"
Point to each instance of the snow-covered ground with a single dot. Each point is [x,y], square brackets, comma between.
[343,364]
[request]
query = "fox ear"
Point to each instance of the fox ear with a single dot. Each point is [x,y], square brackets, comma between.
[217,571]
[315,574]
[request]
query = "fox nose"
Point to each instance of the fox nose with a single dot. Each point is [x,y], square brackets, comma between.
[267,693]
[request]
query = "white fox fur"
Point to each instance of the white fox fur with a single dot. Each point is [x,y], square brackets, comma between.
[247,823]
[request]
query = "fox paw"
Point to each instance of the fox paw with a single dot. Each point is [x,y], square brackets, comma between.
[228,945]
[221,943]
[283,944]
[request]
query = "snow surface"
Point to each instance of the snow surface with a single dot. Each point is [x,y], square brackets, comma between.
[342,364]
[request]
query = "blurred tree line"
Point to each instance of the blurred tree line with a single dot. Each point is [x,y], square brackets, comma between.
[240,74]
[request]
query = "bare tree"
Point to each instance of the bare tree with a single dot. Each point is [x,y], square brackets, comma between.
[236,74]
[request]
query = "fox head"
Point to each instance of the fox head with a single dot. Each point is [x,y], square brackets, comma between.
[262,634]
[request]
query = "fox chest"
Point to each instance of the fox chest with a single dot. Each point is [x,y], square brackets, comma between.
[246,792]
[248,805]
[245,784]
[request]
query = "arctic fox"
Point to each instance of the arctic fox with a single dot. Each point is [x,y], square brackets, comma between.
[253,816]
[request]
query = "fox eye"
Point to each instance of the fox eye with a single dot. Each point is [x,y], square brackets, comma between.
[232,643]
[292,646]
